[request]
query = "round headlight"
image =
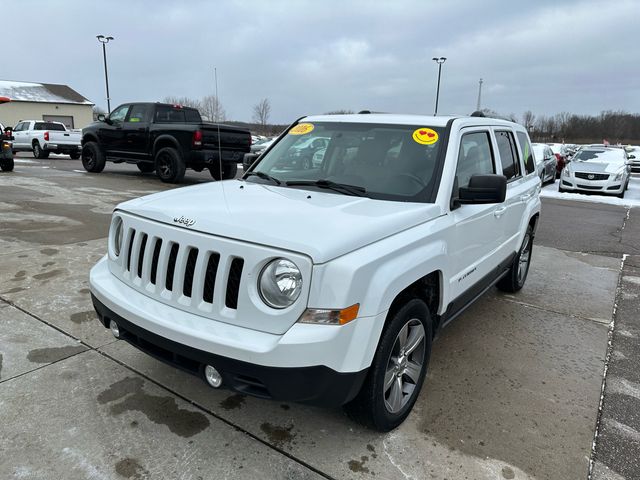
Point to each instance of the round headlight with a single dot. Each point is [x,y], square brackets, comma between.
[280,283]
[117,235]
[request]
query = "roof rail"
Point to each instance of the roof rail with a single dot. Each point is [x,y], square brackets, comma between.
[478,113]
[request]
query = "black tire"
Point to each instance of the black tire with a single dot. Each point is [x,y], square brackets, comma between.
[38,152]
[146,167]
[74,155]
[514,280]
[169,165]
[371,407]
[92,158]
[229,171]
[6,165]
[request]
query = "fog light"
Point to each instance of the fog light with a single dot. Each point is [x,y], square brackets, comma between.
[212,376]
[114,329]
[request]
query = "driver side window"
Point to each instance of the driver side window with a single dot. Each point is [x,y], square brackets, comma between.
[475,157]
[119,113]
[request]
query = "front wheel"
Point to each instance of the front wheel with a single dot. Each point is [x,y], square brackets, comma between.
[170,167]
[514,280]
[7,165]
[398,369]
[92,157]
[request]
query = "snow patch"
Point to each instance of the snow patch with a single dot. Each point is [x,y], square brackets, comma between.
[631,196]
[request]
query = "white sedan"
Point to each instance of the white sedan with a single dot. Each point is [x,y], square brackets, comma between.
[597,169]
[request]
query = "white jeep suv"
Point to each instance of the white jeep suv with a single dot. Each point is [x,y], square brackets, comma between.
[326,282]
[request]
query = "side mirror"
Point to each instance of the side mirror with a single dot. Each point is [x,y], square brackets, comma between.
[101,117]
[484,189]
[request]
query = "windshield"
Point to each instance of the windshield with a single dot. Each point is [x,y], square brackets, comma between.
[609,156]
[389,162]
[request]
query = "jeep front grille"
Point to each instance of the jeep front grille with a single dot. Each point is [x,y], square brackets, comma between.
[145,265]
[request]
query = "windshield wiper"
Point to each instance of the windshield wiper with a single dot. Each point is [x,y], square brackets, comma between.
[337,187]
[265,176]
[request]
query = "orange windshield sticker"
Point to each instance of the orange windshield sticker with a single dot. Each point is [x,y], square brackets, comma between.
[301,129]
[425,136]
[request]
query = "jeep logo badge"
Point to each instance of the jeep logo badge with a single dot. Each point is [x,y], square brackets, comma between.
[591,176]
[187,222]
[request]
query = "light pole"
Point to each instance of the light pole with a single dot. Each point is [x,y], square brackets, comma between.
[439,61]
[104,40]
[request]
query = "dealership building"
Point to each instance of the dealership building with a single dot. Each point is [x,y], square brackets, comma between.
[44,101]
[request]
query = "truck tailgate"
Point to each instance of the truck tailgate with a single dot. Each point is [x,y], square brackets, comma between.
[65,138]
[230,138]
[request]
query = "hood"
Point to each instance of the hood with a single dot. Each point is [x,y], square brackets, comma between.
[591,166]
[321,225]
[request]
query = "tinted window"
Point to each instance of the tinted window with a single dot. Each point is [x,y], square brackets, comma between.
[475,157]
[119,113]
[527,154]
[508,155]
[19,127]
[138,114]
[49,126]
[176,114]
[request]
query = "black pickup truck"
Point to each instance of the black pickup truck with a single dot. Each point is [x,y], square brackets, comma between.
[165,138]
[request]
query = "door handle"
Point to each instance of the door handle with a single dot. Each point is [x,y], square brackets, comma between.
[498,212]
[525,197]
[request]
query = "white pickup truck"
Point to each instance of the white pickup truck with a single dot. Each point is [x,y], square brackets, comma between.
[43,137]
[326,283]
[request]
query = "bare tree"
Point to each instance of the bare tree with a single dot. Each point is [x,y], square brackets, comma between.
[528,119]
[261,112]
[339,112]
[212,109]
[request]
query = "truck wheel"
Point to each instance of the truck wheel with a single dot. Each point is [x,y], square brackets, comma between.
[92,158]
[169,165]
[229,171]
[515,278]
[74,155]
[145,167]
[38,152]
[7,165]
[398,369]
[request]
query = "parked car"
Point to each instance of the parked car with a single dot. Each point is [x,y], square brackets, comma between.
[546,161]
[561,159]
[165,138]
[45,137]
[597,169]
[326,285]
[633,153]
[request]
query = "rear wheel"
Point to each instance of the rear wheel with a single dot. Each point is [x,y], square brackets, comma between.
[169,165]
[517,275]
[92,158]
[7,165]
[145,167]
[38,152]
[229,171]
[398,369]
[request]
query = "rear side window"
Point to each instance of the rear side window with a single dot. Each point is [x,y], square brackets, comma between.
[508,154]
[175,114]
[525,148]
[475,157]
[138,114]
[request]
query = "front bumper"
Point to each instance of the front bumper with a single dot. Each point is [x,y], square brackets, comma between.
[317,385]
[317,364]
[611,186]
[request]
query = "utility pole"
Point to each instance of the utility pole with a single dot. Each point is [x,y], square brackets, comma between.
[479,95]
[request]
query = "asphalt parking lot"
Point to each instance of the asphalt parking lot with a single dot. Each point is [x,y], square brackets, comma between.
[513,391]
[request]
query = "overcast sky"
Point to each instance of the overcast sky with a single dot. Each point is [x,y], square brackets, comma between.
[315,56]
